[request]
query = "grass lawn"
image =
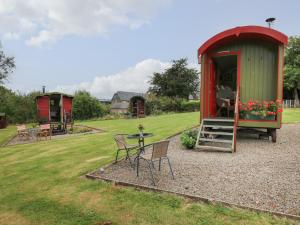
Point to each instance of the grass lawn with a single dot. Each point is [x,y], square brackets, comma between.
[6,134]
[291,115]
[42,183]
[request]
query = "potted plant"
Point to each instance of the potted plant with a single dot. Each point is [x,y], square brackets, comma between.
[141,129]
[255,110]
[189,139]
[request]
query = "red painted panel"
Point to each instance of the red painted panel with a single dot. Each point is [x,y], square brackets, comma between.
[43,107]
[206,89]
[67,104]
[212,95]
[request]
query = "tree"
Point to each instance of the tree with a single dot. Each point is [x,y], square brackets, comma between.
[292,67]
[178,81]
[19,108]
[7,65]
[86,106]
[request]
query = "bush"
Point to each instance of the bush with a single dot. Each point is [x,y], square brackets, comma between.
[19,108]
[190,106]
[170,104]
[157,105]
[86,106]
[152,105]
[189,138]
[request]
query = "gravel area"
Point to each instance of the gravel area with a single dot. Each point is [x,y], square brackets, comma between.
[32,136]
[261,174]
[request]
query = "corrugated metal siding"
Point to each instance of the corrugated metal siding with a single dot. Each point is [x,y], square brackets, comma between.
[258,68]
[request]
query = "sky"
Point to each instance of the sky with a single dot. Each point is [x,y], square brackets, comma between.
[104,46]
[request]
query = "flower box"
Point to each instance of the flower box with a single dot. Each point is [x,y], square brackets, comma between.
[249,116]
[255,110]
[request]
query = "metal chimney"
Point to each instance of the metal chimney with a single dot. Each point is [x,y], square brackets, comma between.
[270,21]
[44,89]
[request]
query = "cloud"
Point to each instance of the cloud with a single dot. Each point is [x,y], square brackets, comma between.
[49,20]
[131,79]
[135,79]
[11,36]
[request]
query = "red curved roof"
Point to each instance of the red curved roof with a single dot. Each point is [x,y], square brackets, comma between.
[246,31]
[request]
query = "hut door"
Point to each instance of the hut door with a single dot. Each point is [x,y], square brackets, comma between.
[212,91]
[43,108]
[67,109]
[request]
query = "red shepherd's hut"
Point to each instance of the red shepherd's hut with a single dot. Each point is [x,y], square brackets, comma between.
[55,108]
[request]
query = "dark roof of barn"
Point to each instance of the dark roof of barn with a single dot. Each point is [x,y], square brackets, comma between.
[126,96]
[54,93]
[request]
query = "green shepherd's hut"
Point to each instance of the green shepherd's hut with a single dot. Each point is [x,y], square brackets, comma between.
[241,84]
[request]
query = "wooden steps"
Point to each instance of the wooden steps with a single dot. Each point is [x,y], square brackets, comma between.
[216,134]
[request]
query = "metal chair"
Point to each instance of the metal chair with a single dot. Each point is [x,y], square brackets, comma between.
[122,145]
[159,153]
[225,100]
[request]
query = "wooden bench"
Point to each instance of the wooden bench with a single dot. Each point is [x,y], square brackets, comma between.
[23,133]
[45,131]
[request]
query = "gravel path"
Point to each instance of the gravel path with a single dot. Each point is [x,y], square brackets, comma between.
[260,174]
[32,137]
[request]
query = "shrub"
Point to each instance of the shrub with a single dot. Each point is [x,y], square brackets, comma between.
[190,106]
[170,104]
[157,105]
[86,106]
[152,105]
[189,138]
[19,108]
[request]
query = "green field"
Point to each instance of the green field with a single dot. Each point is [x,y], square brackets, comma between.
[6,134]
[43,183]
[291,115]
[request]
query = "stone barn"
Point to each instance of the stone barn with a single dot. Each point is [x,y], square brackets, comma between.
[128,103]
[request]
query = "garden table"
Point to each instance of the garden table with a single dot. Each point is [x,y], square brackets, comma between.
[141,141]
[33,132]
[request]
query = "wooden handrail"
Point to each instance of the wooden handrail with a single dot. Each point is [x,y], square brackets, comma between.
[236,108]
[236,118]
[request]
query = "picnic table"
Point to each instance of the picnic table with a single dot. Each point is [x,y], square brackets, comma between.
[33,132]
